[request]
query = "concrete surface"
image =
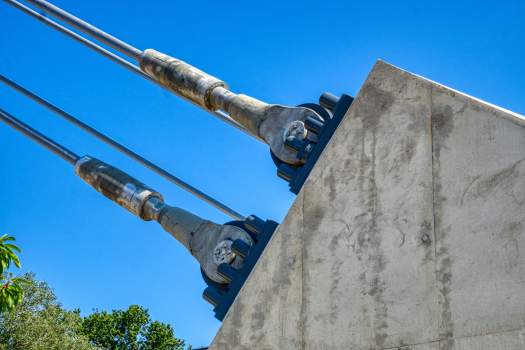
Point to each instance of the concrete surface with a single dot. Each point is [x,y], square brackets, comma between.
[407,235]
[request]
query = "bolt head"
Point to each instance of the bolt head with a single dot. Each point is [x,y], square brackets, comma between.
[223,253]
[296,129]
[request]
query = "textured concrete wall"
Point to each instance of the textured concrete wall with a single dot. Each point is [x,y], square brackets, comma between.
[407,235]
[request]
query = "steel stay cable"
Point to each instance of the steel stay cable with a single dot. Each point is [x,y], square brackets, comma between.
[39,138]
[120,61]
[87,29]
[152,166]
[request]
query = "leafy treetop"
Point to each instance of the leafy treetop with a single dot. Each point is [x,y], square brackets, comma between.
[129,330]
[11,292]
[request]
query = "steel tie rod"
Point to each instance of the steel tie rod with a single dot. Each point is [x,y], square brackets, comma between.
[39,138]
[87,28]
[219,114]
[152,166]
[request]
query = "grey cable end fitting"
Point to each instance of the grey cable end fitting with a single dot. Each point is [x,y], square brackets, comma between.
[180,77]
[113,183]
[267,121]
[200,237]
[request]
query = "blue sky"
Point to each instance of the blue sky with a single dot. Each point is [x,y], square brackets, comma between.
[96,254]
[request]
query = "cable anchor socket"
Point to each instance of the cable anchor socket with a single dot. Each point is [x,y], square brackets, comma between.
[267,121]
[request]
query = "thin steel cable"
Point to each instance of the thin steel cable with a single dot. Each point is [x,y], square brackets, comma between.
[227,210]
[219,114]
[39,138]
[87,29]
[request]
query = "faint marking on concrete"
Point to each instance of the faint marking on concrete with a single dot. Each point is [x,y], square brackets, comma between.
[466,189]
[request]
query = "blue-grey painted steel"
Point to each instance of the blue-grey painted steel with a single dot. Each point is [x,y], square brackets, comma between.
[293,144]
[226,271]
[241,248]
[255,224]
[224,303]
[124,150]
[313,124]
[310,154]
[219,114]
[87,28]
[39,138]
[328,101]
[211,295]
[286,172]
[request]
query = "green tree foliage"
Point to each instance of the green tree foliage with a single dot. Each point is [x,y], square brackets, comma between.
[129,330]
[40,322]
[31,318]
[11,293]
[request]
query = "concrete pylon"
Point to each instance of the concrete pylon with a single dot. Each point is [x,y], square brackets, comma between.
[409,233]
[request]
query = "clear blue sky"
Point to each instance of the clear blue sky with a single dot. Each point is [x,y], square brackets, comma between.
[96,254]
